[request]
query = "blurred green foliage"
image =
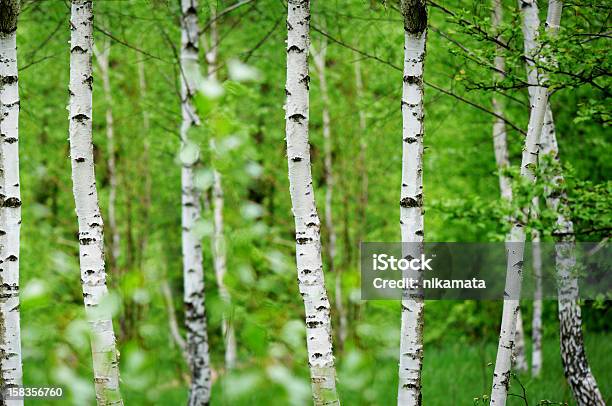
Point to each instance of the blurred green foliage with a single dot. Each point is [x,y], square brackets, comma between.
[247,126]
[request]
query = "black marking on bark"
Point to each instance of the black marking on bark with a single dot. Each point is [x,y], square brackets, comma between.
[296,159]
[11,258]
[12,202]
[297,117]
[295,48]
[79,49]
[313,324]
[7,80]
[80,159]
[303,240]
[80,117]
[86,241]
[306,81]
[9,10]
[10,140]
[412,202]
[415,16]
[413,80]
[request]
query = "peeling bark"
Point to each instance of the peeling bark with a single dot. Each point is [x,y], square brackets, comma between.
[515,248]
[193,271]
[307,224]
[11,375]
[411,198]
[91,236]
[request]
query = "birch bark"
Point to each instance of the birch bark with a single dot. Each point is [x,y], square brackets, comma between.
[573,355]
[515,248]
[102,59]
[363,150]
[411,203]
[193,271]
[319,58]
[218,242]
[307,225]
[91,237]
[146,146]
[501,158]
[10,196]
[536,322]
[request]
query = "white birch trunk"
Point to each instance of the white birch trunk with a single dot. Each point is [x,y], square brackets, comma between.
[102,59]
[10,210]
[220,263]
[573,355]
[193,271]
[91,237]
[411,197]
[218,241]
[530,27]
[320,60]
[516,246]
[536,322]
[501,158]
[307,224]
[146,146]
[363,150]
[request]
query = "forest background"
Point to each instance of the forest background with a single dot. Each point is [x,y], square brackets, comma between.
[462,200]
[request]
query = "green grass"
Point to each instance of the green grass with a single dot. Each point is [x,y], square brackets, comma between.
[455,374]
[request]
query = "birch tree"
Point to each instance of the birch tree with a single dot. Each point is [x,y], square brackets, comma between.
[102,59]
[573,355]
[536,321]
[515,248]
[501,159]
[146,147]
[91,236]
[319,58]
[307,224]
[363,149]
[193,271]
[10,193]
[411,197]
[218,240]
